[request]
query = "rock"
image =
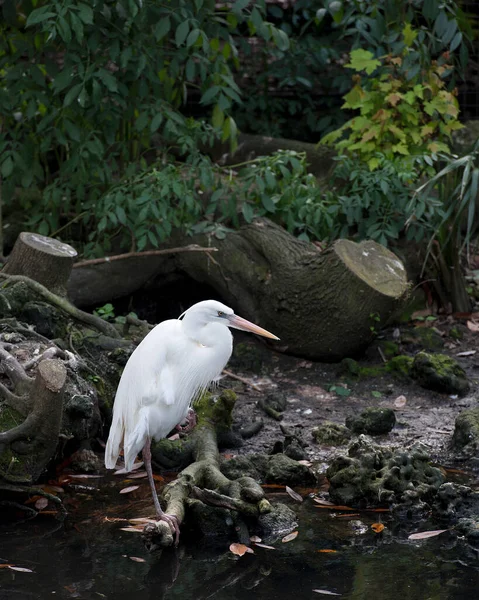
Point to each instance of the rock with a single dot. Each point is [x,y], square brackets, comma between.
[375,475]
[282,469]
[210,521]
[372,421]
[280,521]
[85,461]
[454,502]
[423,338]
[277,468]
[400,365]
[294,450]
[440,373]
[348,366]
[331,434]
[469,528]
[47,320]
[466,431]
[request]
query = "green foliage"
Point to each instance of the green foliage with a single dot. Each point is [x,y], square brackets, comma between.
[374,204]
[106,312]
[399,115]
[86,86]
[455,188]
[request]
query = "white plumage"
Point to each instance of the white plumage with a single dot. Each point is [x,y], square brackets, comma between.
[175,362]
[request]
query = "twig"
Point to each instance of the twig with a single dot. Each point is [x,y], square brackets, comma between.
[215,499]
[14,370]
[381,354]
[62,303]
[242,379]
[108,259]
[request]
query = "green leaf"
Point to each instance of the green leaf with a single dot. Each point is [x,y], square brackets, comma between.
[72,94]
[156,122]
[210,93]
[363,60]
[456,41]
[376,394]
[85,13]
[39,15]
[268,203]
[120,213]
[409,35]
[192,37]
[162,28]
[239,5]
[182,32]
[320,14]
[7,167]
[248,212]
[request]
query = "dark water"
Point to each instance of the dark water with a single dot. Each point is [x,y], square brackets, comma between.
[88,557]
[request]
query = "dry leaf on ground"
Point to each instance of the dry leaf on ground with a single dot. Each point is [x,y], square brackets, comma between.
[422,535]
[294,495]
[290,537]
[240,549]
[129,489]
[377,527]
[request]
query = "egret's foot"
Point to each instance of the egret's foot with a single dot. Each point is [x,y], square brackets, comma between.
[190,422]
[172,521]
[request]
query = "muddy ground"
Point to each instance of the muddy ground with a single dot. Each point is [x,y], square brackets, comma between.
[427,416]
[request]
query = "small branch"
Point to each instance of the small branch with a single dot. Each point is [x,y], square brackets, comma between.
[242,379]
[269,410]
[63,304]
[215,499]
[108,259]
[14,370]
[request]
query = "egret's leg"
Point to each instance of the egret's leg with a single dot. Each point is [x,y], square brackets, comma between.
[190,422]
[162,516]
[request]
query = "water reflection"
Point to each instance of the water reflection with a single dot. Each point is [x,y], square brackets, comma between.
[90,559]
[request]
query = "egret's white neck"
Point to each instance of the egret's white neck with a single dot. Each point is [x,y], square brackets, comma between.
[207,334]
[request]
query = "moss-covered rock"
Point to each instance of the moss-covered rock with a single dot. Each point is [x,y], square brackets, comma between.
[280,521]
[375,475]
[389,348]
[348,366]
[440,373]
[331,434]
[466,431]
[425,338]
[454,502]
[400,365]
[277,468]
[456,332]
[372,421]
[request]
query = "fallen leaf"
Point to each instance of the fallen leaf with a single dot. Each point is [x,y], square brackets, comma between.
[377,527]
[52,489]
[21,569]
[141,520]
[306,463]
[473,326]
[84,476]
[422,535]
[323,502]
[5,566]
[132,529]
[158,478]
[294,495]
[255,539]
[347,516]
[326,593]
[174,437]
[129,489]
[123,471]
[138,475]
[41,503]
[240,549]
[326,551]
[400,401]
[333,506]
[467,353]
[265,546]
[137,559]
[290,537]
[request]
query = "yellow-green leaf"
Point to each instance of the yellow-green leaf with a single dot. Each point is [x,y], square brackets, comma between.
[409,34]
[363,60]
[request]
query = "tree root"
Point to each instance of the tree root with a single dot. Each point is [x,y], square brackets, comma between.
[203,480]
[64,304]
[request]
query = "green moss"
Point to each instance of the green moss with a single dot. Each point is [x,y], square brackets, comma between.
[13,467]
[389,348]
[372,421]
[348,367]
[456,333]
[466,432]
[331,434]
[400,365]
[440,373]
[216,409]
[424,337]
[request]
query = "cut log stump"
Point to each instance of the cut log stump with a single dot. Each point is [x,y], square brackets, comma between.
[323,305]
[43,259]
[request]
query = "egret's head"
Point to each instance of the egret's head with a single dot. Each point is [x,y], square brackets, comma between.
[211,311]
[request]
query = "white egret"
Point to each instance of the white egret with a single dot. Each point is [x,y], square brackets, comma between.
[174,363]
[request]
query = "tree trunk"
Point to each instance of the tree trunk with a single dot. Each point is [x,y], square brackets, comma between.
[323,305]
[43,259]
[26,449]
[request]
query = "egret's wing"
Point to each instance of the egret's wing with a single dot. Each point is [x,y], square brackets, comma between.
[143,383]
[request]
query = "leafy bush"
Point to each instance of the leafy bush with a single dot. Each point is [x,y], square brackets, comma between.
[85,87]
[399,115]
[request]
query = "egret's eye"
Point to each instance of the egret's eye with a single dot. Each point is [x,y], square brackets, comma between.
[221,314]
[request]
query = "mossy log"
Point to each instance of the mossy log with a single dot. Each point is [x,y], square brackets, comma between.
[323,305]
[26,449]
[42,259]
[202,481]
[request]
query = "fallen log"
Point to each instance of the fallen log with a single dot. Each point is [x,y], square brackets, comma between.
[323,305]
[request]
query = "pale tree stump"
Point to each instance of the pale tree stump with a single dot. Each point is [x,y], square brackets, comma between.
[26,449]
[42,259]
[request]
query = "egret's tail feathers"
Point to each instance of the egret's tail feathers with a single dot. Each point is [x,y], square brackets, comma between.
[113,445]
[135,440]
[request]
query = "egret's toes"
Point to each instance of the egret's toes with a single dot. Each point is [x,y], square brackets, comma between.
[172,521]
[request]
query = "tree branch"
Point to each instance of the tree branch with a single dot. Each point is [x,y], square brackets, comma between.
[107,259]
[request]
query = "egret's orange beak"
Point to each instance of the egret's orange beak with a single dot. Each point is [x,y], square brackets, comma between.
[244,325]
